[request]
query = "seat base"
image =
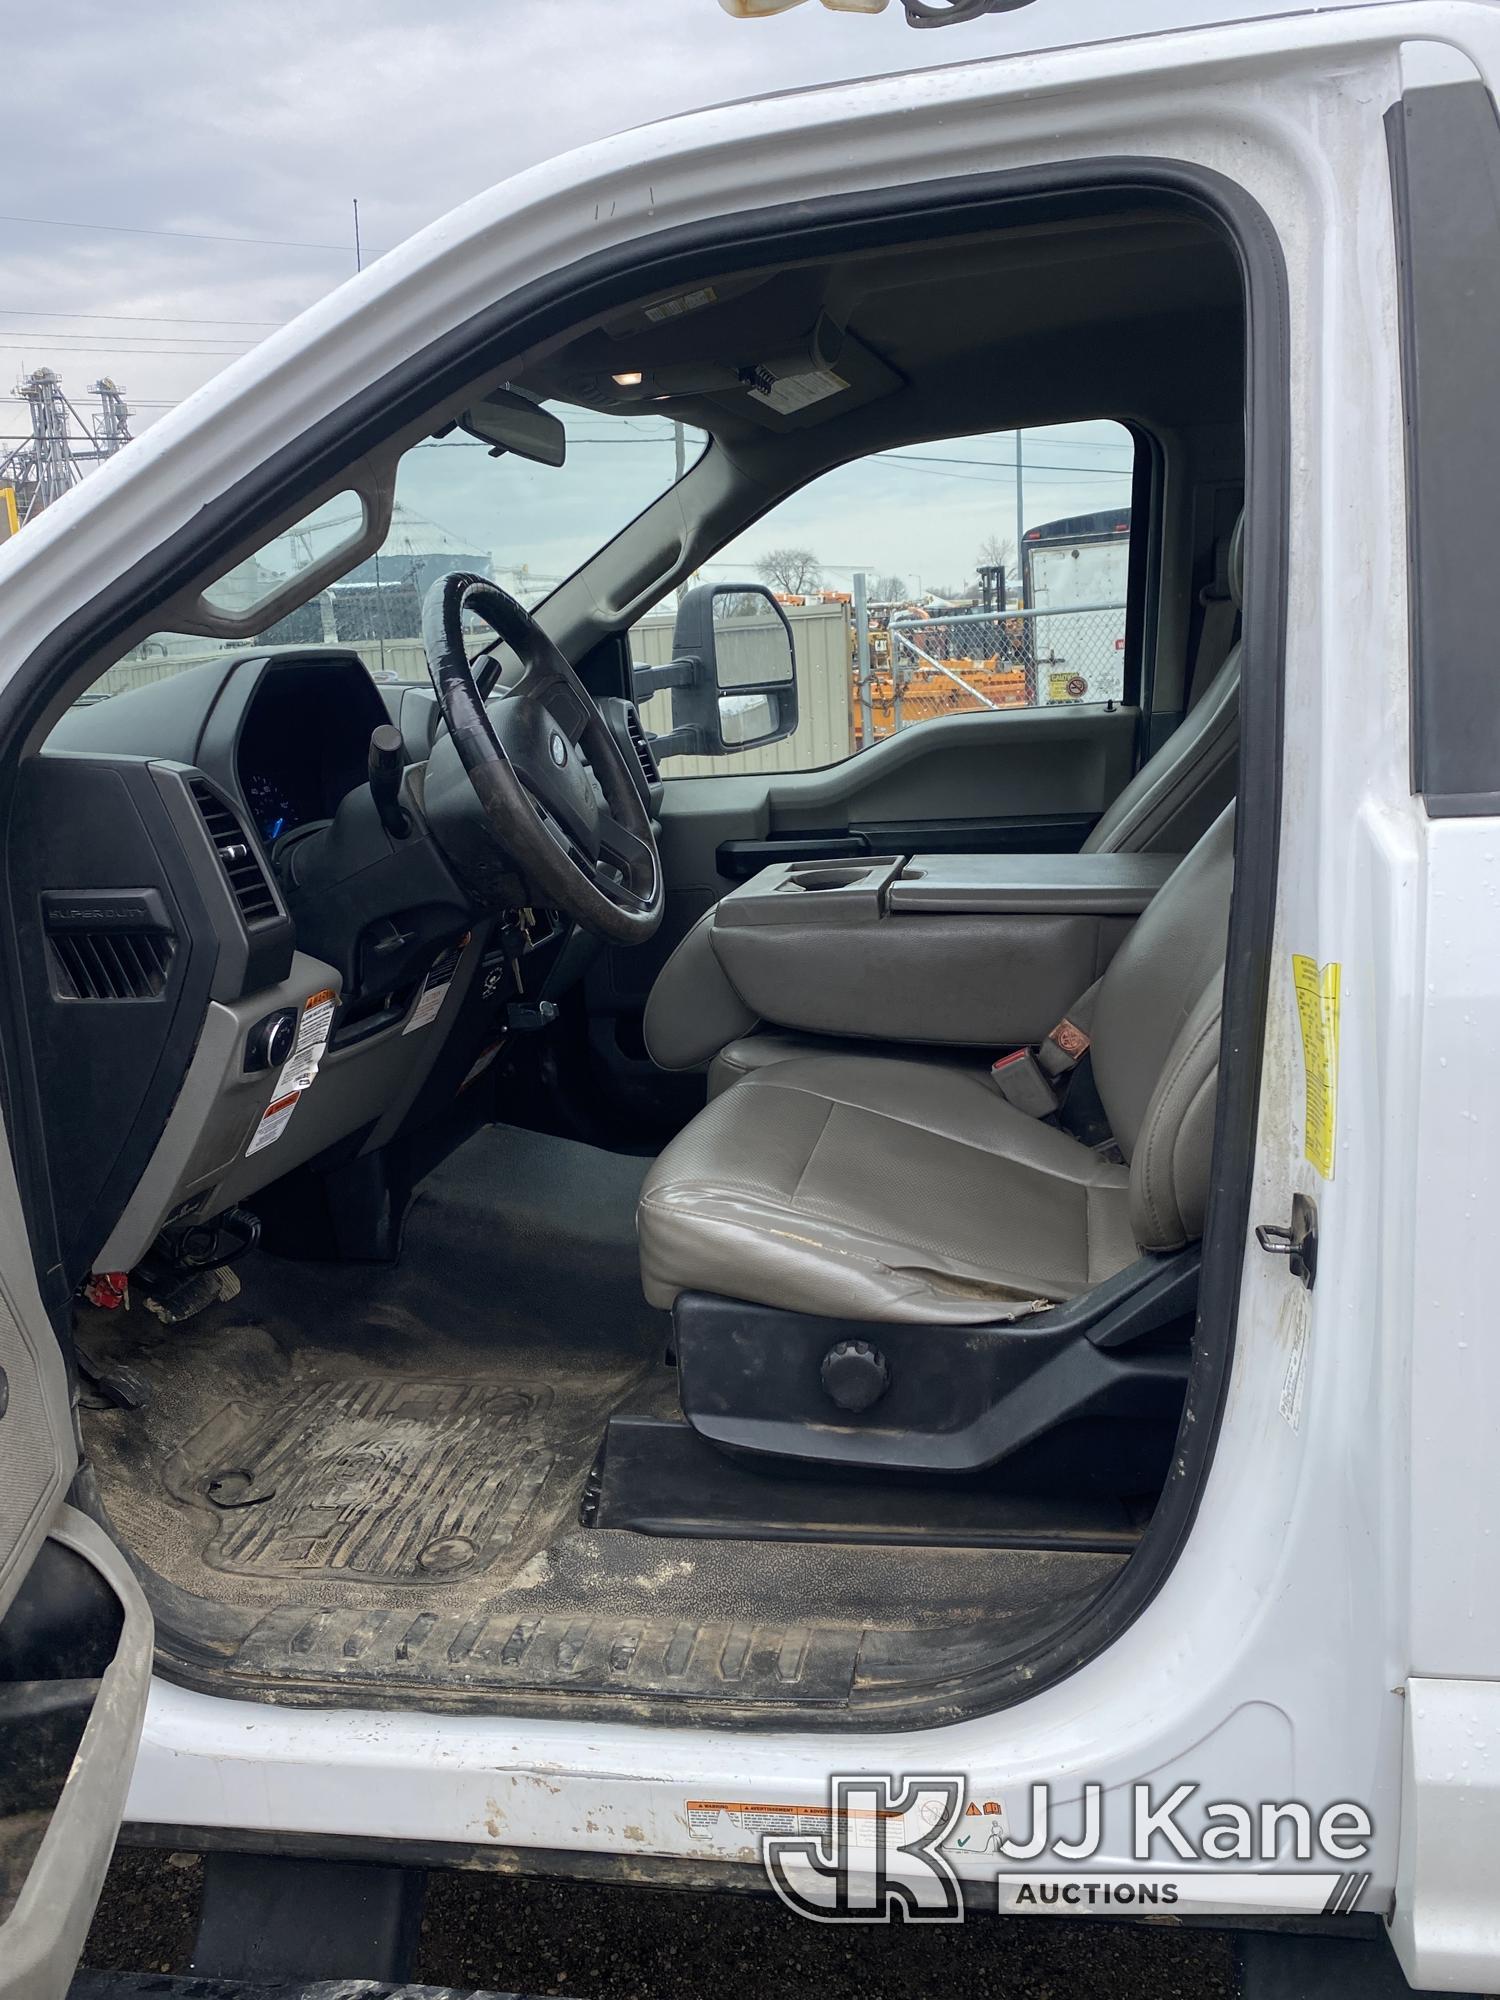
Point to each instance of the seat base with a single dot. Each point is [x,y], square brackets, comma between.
[752,1378]
[1088,1488]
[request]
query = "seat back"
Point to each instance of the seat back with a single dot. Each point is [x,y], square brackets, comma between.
[1177,794]
[1156,1042]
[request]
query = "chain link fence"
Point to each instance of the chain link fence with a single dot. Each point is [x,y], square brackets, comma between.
[1012,659]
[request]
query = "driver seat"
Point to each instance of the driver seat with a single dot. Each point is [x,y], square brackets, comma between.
[873,1187]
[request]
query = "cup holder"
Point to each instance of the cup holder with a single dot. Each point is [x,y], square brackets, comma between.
[827,878]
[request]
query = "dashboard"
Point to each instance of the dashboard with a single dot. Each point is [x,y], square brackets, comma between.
[151,874]
[207,877]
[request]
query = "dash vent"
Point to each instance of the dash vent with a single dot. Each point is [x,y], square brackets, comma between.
[642,747]
[237,856]
[108,944]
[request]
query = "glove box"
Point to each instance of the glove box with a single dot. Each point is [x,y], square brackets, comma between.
[988,950]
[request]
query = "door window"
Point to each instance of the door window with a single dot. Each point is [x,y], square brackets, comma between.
[908,601]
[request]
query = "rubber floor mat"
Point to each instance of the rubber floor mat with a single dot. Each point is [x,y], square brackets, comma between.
[362,1483]
[380,1481]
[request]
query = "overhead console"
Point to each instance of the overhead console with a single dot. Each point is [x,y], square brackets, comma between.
[974,949]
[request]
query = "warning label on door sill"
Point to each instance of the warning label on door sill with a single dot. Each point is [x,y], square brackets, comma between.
[750,1817]
[1317,995]
[1295,1318]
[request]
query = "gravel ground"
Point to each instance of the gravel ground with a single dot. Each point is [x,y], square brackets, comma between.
[542,1937]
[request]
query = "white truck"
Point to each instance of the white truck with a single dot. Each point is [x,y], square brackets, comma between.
[916,1333]
[1075,577]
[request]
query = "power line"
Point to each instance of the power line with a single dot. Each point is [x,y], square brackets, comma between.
[1058,475]
[170,342]
[157,319]
[1001,464]
[180,235]
[137,353]
[1084,444]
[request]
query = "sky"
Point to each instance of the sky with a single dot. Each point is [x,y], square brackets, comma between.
[180,178]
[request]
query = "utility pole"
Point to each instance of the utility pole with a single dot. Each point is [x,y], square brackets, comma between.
[359,262]
[1020,507]
[862,661]
[679,458]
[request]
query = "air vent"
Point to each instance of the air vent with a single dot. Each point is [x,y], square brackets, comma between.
[108,944]
[237,856]
[111,964]
[642,748]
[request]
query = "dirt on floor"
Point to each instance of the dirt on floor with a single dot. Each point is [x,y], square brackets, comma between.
[535,1936]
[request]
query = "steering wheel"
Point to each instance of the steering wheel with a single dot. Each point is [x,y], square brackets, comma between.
[561,807]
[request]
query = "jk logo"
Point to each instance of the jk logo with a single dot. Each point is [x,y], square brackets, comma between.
[882,1853]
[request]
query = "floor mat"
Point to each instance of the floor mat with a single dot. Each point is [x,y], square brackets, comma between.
[382,1481]
[363,1483]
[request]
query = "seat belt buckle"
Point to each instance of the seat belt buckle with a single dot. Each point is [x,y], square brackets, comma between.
[1021,1081]
[1064,1049]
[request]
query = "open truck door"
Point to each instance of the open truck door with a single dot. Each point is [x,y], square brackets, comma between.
[75,1651]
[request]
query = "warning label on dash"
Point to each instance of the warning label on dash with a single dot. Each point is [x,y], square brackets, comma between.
[298,1071]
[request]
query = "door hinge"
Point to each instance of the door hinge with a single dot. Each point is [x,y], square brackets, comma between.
[1296,1241]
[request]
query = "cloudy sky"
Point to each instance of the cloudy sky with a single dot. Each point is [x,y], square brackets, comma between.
[179,178]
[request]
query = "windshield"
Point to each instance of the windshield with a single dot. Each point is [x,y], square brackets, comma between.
[458,506]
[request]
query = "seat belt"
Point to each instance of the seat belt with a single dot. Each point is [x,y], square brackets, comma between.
[1215,628]
[1036,1080]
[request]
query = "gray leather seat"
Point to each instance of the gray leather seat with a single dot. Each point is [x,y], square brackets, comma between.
[872,1187]
[694,1016]
[1180,791]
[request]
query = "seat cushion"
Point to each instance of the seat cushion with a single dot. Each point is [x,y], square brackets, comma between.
[737,1059]
[864,1187]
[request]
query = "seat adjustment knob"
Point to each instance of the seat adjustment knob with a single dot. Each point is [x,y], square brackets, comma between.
[855,1374]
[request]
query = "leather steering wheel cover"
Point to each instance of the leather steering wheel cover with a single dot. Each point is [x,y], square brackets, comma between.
[510,810]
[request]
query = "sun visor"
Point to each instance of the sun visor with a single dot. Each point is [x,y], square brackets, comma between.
[833,371]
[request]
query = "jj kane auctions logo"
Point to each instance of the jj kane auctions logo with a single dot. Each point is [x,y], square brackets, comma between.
[889,1847]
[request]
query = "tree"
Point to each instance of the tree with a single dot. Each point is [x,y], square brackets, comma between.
[995,553]
[888,590]
[793,570]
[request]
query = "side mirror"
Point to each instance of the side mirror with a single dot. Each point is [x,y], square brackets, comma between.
[733,673]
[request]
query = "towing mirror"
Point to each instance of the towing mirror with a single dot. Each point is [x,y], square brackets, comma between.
[732,676]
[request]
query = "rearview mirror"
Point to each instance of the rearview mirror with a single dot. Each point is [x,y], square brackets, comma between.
[508,422]
[733,673]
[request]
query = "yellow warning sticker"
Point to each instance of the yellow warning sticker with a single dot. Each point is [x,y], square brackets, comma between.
[1317,991]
